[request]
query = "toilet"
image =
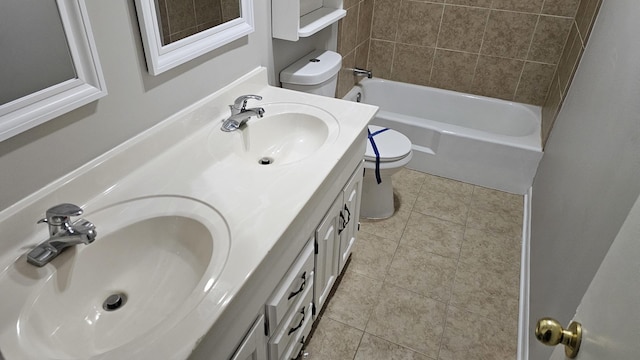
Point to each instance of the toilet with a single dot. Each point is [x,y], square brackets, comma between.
[387,150]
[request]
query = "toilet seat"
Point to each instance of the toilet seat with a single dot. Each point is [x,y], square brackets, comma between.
[392,145]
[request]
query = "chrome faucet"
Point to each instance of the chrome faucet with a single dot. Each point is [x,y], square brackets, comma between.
[362,72]
[240,114]
[62,233]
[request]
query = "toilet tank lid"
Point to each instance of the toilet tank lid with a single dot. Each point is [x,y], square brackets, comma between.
[312,69]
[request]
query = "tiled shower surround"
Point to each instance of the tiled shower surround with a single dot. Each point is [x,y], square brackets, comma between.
[182,18]
[507,49]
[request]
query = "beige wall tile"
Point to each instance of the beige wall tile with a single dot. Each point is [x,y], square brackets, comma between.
[462,28]
[346,80]
[550,109]
[347,31]
[497,77]
[508,34]
[420,23]
[408,319]
[181,15]
[412,64]
[385,19]
[569,59]
[560,7]
[207,11]
[453,70]
[362,55]
[585,16]
[534,83]
[533,6]
[381,58]
[365,18]
[230,9]
[477,3]
[549,39]
[375,348]
[349,3]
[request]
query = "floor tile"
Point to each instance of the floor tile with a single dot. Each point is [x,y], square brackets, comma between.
[486,290]
[442,205]
[408,319]
[406,186]
[333,340]
[429,234]
[354,300]
[444,185]
[372,255]
[375,348]
[482,247]
[493,222]
[509,206]
[425,273]
[468,336]
[391,228]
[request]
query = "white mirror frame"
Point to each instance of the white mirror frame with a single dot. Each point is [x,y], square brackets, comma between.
[34,109]
[162,58]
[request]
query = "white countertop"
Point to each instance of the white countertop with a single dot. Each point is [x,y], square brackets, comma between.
[187,156]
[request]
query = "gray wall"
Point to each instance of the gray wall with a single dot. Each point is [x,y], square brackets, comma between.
[589,176]
[136,100]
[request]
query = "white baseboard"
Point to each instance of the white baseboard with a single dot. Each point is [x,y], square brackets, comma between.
[523,317]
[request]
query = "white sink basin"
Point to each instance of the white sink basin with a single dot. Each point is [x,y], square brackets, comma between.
[163,253]
[287,133]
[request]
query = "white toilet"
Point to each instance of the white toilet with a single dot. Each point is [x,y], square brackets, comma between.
[317,73]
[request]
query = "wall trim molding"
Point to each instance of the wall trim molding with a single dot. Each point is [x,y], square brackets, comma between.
[523,316]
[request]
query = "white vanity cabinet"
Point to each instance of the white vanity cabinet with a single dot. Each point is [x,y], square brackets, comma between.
[351,215]
[335,237]
[253,346]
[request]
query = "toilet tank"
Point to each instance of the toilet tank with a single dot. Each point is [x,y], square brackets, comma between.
[315,73]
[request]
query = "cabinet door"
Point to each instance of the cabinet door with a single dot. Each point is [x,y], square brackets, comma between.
[327,254]
[254,345]
[350,216]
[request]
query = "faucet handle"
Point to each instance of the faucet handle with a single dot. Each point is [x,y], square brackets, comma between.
[241,102]
[60,214]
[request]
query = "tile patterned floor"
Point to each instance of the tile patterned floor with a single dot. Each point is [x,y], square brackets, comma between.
[438,280]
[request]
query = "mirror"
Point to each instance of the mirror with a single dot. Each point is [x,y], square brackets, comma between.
[49,62]
[176,31]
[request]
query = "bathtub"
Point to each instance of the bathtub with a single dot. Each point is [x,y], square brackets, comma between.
[475,139]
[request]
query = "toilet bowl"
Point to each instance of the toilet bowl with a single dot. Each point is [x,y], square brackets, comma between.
[317,73]
[393,152]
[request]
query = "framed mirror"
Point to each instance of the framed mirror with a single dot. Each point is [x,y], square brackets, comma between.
[49,62]
[176,31]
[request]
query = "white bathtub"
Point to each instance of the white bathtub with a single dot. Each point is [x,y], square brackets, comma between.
[475,139]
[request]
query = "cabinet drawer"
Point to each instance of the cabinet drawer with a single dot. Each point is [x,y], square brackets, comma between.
[292,326]
[291,289]
[295,347]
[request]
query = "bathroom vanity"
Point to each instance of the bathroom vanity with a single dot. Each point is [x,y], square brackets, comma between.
[226,244]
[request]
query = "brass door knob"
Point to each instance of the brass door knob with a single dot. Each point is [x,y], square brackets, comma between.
[550,332]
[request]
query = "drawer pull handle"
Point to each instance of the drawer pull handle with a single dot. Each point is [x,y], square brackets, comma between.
[344,222]
[348,215]
[304,283]
[294,329]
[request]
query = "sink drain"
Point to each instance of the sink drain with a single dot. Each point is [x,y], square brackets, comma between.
[114,301]
[265,161]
